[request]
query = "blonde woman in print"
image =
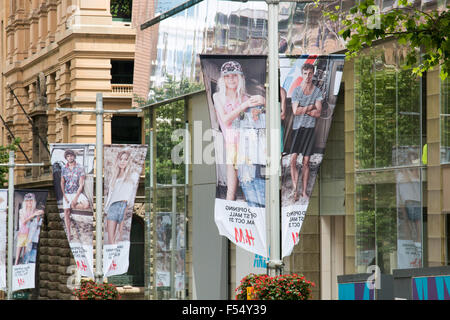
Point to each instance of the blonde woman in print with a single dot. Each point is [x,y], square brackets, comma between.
[119,196]
[26,214]
[230,100]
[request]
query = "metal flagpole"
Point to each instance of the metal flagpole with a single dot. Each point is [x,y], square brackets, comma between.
[99,189]
[11,165]
[99,111]
[274,145]
[173,240]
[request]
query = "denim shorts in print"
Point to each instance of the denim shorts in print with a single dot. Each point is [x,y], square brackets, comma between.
[116,211]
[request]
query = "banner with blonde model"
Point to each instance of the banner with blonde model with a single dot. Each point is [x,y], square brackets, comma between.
[29,209]
[235,87]
[308,94]
[123,166]
[73,179]
[3,237]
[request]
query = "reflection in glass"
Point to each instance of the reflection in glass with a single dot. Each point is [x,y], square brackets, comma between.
[227,27]
[388,108]
[169,205]
[365,227]
[409,217]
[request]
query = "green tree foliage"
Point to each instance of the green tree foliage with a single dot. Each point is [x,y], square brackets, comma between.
[121,8]
[168,118]
[388,120]
[4,158]
[424,31]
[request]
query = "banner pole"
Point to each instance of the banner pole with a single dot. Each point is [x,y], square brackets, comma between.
[173,240]
[11,165]
[274,145]
[10,221]
[99,189]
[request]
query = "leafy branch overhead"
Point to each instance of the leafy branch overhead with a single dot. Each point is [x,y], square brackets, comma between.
[426,32]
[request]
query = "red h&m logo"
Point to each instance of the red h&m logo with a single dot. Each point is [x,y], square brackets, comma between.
[81,266]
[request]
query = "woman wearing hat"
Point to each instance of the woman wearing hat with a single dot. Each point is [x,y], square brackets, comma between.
[26,214]
[230,100]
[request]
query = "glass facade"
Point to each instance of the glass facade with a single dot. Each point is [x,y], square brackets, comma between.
[390,131]
[166,193]
[389,181]
[227,27]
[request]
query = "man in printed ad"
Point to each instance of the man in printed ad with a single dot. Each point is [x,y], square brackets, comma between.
[72,184]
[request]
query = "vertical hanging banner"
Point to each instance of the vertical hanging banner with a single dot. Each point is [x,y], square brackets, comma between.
[3,237]
[236,100]
[73,179]
[308,94]
[122,169]
[29,209]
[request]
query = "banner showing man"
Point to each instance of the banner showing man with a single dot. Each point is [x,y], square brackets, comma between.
[29,209]
[73,168]
[236,99]
[3,237]
[122,169]
[308,95]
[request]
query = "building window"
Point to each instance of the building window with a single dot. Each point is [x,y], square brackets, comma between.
[65,129]
[390,210]
[126,130]
[122,71]
[121,10]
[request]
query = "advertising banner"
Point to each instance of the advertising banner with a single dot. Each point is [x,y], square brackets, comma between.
[3,237]
[164,254]
[73,179]
[122,169]
[29,209]
[236,100]
[308,94]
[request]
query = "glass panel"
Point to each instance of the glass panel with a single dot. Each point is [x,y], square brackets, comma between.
[385,113]
[386,221]
[364,113]
[409,116]
[410,219]
[169,205]
[365,223]
[389,218]
[388,109]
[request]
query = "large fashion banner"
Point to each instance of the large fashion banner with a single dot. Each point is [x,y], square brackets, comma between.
[236,99]
[29,209]
[122,169]
[308,95]
[73,179]
[3,237]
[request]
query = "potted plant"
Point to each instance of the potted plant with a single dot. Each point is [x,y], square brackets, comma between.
[90,290]
[281,287]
